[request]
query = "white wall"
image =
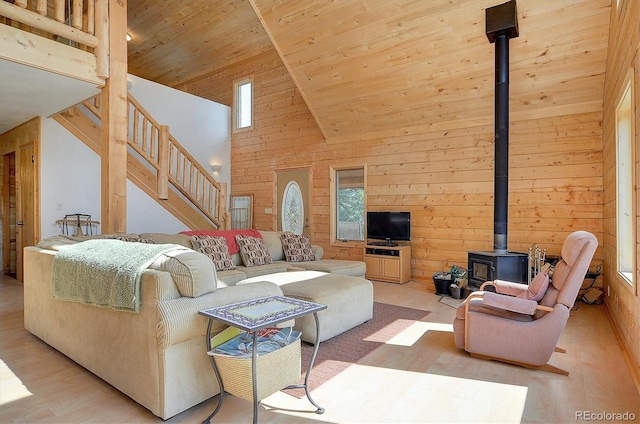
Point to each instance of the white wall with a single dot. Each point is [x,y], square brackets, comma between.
[70,177]
[71,171]
[203,127]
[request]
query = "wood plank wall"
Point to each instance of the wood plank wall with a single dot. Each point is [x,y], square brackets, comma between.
[623,57]
[444,177]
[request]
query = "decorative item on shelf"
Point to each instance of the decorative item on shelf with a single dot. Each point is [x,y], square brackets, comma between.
[77,220]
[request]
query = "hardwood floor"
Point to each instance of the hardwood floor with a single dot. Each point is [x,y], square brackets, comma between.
[419,376]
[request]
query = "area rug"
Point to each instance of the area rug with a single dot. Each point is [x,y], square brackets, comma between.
[338,353]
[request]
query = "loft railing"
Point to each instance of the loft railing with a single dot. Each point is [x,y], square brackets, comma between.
[81,24]
[172,162]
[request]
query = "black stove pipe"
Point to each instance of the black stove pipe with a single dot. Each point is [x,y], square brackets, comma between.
[501,165]
[501,25]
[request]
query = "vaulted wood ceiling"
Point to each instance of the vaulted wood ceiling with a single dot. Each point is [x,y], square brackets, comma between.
[376,66]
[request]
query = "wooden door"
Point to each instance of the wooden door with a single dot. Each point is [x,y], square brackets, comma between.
[20,148]
[25,202]
[293,184]
[9,214]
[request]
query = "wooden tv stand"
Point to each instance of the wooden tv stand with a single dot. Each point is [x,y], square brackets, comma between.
[388,263]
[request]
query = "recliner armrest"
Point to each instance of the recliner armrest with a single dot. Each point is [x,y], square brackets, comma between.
[505,287]
[510,303]
[505,302]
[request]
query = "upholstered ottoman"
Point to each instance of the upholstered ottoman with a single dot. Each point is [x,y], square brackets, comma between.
[349,300]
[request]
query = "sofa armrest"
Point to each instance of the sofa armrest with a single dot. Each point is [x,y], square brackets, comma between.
[160,283]
[179,319]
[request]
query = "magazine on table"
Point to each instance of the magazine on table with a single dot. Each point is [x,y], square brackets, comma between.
[269,339]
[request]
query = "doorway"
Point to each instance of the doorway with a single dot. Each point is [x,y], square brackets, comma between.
[293,201]
[20,201]
[9,259]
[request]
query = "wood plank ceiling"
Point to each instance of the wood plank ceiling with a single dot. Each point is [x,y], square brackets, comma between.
[384,66]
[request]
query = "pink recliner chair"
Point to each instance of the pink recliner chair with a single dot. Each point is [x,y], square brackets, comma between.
[521,324]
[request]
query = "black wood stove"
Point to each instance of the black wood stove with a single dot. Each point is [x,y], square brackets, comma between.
[488,266]
[501,25]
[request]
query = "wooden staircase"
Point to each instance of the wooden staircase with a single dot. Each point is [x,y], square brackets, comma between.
[155,162]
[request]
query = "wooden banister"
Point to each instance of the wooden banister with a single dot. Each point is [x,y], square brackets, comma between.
[173,163]
[86,24]
[50,25]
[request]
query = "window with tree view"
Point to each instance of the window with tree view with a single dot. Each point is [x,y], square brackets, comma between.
[350,198]
[625,199]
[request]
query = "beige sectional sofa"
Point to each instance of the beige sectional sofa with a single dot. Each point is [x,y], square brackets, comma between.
[272,241]
[157,355]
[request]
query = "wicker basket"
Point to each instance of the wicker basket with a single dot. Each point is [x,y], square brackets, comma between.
[274,371]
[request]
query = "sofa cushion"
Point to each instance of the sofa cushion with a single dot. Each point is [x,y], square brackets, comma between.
[297,247]
[162,238]
[253,251]
[132,238]
[349,300]
[57,242]
[266,269]
[230,277]
[336,266]
[215,248]
[192,272]
[274,245]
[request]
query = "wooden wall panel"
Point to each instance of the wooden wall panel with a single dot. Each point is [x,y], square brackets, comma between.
[623,57]
[365,67]
[443,176]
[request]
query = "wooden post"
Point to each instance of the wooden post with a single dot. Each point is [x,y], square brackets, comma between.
[163,163]
[58,11]
[76,15]
[41,7]
[114,125]
[102,33]
[91,17]
[222,207]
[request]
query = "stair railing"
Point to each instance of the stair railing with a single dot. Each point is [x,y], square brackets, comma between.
[82,24]
[173,163]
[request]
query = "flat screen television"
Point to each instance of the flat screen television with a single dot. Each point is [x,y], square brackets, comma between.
[389,226]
